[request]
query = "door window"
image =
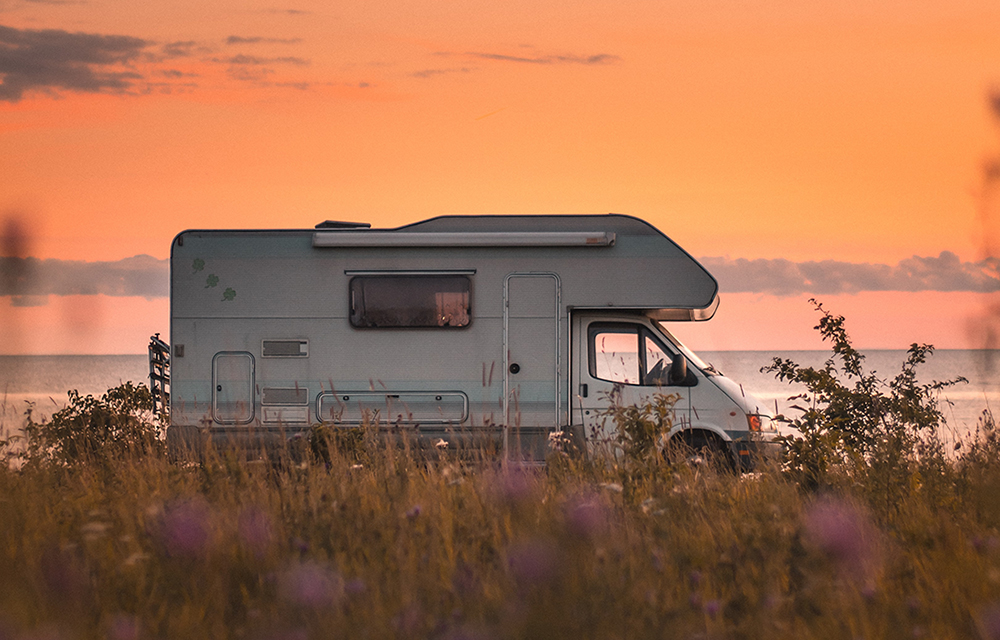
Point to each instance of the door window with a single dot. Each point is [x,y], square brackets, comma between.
[628,354]
[615,354]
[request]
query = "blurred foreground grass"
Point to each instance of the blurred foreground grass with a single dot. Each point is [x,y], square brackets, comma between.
[867,527]
[398,546]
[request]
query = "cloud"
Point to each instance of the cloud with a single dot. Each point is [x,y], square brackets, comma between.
[430,73]
[51,59]
[29,301]
[256,69]
[175,73]
[181,49]
[598,59]
[993,98]
[780,277]
[29,280]
[244,60]
[301,86]
[261,40]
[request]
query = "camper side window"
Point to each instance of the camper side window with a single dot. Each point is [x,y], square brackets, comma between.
[410,301]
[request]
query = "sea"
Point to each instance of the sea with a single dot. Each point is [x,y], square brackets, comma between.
[42,382]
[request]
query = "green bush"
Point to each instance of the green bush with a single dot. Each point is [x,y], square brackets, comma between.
[853,419]
[640,431]
[119,423]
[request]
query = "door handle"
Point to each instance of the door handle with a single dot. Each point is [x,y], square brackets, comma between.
[583,390]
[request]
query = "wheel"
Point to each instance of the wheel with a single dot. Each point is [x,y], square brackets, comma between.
[703,447]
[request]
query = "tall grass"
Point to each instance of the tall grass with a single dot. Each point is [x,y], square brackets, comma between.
[369,540]
[403,547]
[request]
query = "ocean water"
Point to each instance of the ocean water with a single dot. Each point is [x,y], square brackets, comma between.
[44,380]
[962,404]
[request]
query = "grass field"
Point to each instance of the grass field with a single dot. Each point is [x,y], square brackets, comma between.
[866,527]
[379,543]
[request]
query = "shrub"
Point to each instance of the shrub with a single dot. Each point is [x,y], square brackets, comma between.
[119,423]
[640,430]
[854,418]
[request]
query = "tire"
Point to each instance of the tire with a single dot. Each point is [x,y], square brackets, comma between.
[703,447]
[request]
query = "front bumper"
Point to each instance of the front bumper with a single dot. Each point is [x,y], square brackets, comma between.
[749,451]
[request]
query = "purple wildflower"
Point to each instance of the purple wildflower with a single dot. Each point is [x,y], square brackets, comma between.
[123,627]
[184,528]
[585,517]
[310,585]
[300,545]
[355,586]
[408,622]
[63,574]
[712,608]
[843,532]
[988,622]
[514,486]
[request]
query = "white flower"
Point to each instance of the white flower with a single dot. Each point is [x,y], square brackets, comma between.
[94,530]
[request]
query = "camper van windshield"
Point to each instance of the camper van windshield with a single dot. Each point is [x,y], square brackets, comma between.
[692,358]
[410,301]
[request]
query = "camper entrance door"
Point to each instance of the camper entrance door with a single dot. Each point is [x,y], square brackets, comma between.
[531,363]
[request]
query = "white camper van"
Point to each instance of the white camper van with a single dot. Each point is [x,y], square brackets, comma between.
[461,331]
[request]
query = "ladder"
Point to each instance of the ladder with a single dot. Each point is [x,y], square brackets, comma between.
[159,373]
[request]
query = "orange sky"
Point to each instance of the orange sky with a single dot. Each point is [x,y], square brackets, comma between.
[777,129]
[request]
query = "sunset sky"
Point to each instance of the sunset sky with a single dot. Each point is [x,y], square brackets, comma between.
[840,150]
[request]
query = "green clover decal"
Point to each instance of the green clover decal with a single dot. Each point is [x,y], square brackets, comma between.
[198,265]
[228,294]
[212,280]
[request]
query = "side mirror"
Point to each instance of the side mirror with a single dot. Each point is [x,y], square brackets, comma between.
[678,370]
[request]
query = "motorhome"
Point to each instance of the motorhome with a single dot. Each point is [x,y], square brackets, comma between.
[487,332]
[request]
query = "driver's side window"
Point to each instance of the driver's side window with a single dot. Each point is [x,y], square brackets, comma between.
[615,354]
[628,354]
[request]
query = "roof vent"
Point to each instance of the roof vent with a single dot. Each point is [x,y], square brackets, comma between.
[340,224]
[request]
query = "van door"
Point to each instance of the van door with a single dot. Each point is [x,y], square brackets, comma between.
[233,387]
[622,358]
[531,363]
